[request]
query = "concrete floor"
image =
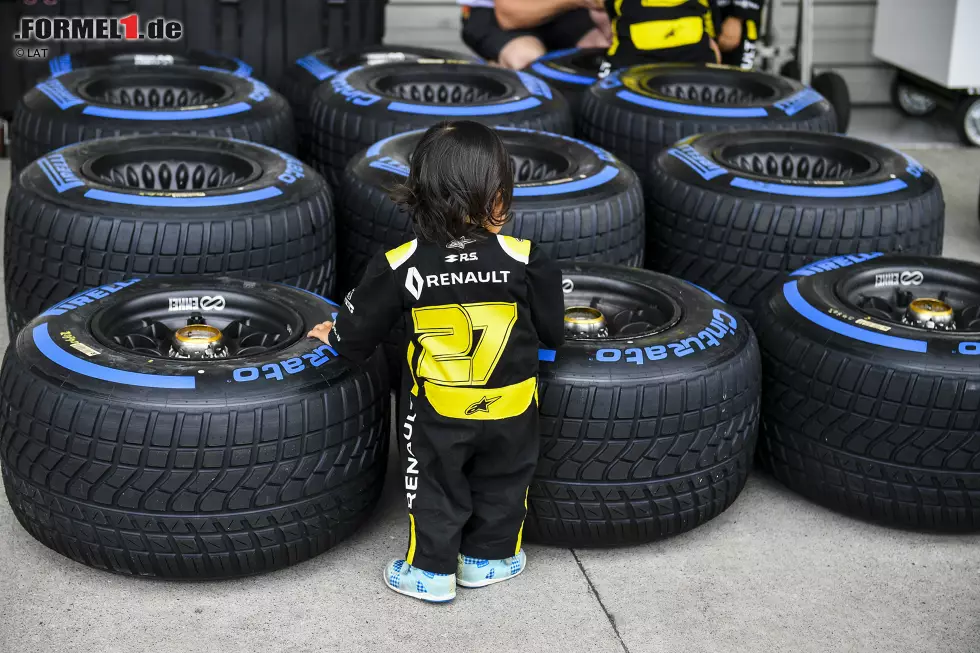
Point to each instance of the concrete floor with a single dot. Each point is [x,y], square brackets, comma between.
[774,573]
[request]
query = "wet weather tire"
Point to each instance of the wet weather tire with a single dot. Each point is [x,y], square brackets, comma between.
[637,112]
[735,212]
[107,210]
[304,75]
[188,469]
[648,435]
[867,415]
[570,71]
[364,105]
[577,202]
[100,102]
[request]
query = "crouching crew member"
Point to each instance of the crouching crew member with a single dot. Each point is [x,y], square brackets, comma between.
[476,305]
[658,31]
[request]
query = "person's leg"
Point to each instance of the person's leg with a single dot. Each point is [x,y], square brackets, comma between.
[568,30]
[521,52]
[501,470]
[435,450]
[483,34]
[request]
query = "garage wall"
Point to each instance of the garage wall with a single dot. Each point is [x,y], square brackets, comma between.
[842,36]
[433,23]
[842,40]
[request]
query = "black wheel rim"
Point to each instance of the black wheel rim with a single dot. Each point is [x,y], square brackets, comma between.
[166,168]
[708,87]
[530,164]
[441,87]
[629,310]
[890,295]
[157,91]
[148,325]
[786,158]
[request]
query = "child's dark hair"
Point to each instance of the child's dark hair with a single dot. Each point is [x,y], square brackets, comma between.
[460,178]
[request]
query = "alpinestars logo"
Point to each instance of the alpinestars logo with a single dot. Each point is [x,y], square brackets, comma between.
[482,406]
[460,244]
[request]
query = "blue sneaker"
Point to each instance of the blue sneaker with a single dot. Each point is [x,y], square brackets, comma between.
[477,572]
[412,581]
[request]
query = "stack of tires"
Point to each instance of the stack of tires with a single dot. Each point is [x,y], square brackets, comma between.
[166,254]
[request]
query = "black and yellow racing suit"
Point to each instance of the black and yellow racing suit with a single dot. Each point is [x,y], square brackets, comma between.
[475,312]
[656,31]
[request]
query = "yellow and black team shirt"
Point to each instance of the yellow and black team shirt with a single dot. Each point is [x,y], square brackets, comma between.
[660,30]
[475,311]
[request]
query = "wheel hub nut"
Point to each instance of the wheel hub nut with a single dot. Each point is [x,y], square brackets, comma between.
[930,313]
[198,341]
[585,321]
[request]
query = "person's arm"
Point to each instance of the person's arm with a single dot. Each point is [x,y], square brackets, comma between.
[544,294]
[366,315]
[521,14]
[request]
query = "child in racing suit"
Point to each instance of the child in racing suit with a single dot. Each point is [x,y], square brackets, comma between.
[475,304]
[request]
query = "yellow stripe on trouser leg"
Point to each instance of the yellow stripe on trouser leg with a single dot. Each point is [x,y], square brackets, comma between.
[665,34]
[520,533]
[751,31]
[410,556]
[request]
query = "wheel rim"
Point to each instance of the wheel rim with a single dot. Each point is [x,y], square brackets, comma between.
[797,160]
[971,123]
[937,301]
[215,324]
[172,169]
[599,309]
[705,87]
[913,102]
[531,165]
[158,91]
[442,87]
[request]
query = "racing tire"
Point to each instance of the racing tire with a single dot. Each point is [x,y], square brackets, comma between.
[575,201]
[102,211]
[124,459]
[570,71]
[303,76]
[833,87]
[864,411]
[649,432]
[572,199]
[106,101]
[636,112]
[735,213]
[364,105]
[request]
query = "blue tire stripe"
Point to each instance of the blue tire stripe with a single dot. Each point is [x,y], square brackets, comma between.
[692,109]
[488,110]
[182,202]
[792,294]
[882,188]
[546,355]
[606,174]
[562,76]
[58,356]
[192,114]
